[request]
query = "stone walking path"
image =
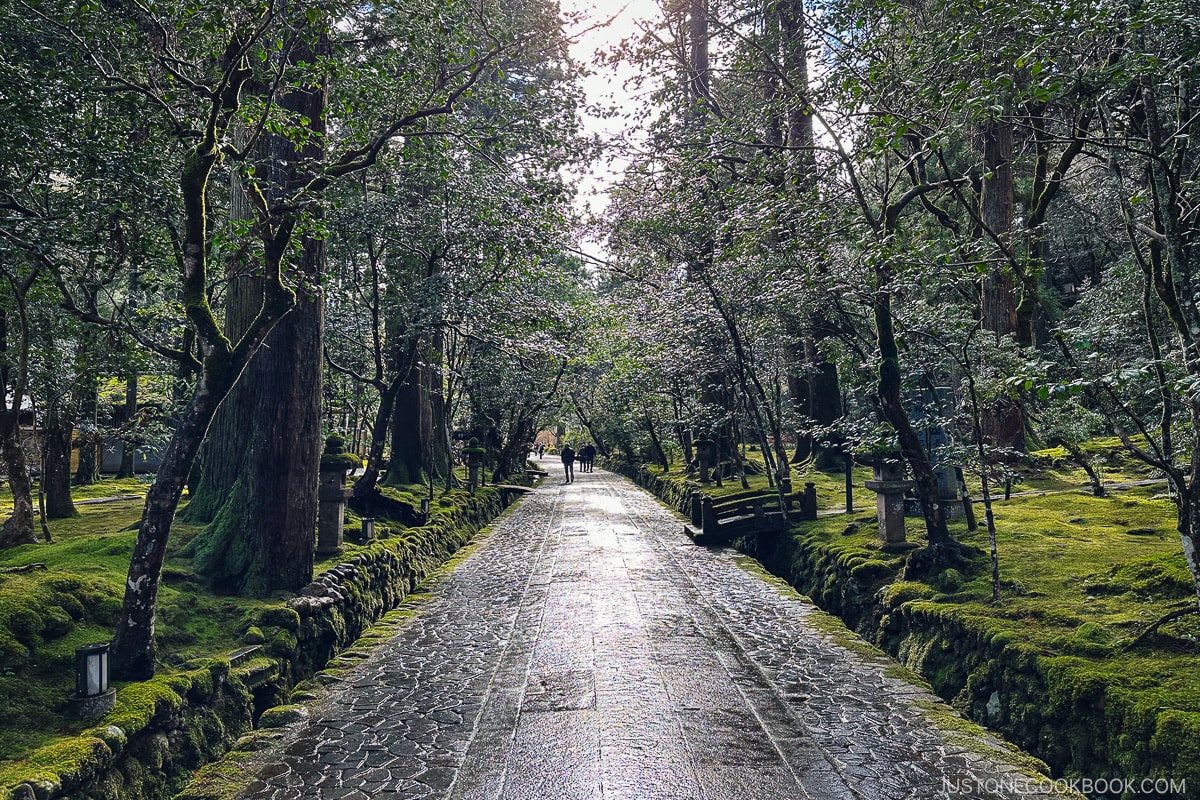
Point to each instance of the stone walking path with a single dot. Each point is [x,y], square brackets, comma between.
[587,649]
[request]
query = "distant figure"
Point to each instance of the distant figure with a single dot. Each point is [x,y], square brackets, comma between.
[568,459]
[587,456]
[541,449]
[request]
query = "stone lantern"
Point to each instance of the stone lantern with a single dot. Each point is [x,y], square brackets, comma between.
[706,456]
[474,455]
[332,494]
[889,485]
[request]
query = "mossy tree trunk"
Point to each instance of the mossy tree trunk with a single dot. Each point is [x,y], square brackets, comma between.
[812,378]
[816,396]
[367,483]
[218,363]
[1189,528]
[260,475]
[439,442]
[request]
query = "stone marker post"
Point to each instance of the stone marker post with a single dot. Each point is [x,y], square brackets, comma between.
[706,452]
[889,485]
[474,455]
[332,495]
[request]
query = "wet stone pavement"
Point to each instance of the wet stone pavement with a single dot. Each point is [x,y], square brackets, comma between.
[587,649]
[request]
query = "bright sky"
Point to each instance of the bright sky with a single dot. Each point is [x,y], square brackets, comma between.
[603,24]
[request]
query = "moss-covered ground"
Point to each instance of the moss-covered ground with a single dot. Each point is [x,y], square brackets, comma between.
[46,613]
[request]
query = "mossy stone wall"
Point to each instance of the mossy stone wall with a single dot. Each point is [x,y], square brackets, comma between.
[163,729]
[1059,708]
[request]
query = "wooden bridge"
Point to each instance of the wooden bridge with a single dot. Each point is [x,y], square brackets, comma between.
[716,522]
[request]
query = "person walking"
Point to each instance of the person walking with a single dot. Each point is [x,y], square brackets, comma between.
[568,459]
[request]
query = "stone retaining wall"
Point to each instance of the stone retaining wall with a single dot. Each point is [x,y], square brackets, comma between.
[163,729]
[1058,708]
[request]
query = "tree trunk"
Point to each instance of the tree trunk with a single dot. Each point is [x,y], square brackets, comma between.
[1003,420]
[18,528]
[439,443]
[894,412]
[262,468]
[660,455]
[1189,528]
[812,379]
[56,467]
[698,79]
[368,481]
[134,648]
[586,422]
[816,396]
[87,471]
[407,464]
[129,441]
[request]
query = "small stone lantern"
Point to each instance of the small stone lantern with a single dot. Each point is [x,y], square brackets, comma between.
[706,456]
[332,495]
[474,455]
[889,485]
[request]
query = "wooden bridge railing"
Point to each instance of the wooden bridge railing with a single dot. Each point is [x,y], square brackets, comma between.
[719,521]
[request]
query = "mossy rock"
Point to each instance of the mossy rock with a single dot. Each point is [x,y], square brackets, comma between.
[1176,745]
[900,592]
[279,617]
[282,716]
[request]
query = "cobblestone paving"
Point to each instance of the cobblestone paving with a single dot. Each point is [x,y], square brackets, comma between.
[588,650]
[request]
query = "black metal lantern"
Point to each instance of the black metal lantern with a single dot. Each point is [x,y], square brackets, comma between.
[368,528]
[91,669]
[93,696]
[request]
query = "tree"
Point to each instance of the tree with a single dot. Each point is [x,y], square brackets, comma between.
[191,85]
[15,346]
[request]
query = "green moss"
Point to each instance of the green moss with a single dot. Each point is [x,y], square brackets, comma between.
[895,594]
[1176,745]
[950,580]
[1091,632]
[340,461]
[1160,576]
[279,617]
[138,703]
[49,765]
[223,779]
